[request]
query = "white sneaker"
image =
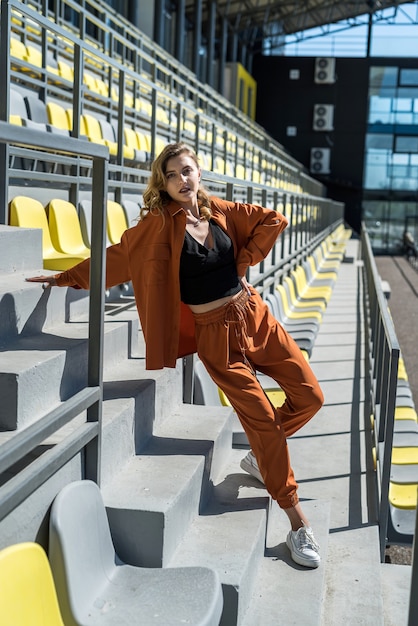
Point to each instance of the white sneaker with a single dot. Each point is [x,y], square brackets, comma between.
[303,547]
[249,464]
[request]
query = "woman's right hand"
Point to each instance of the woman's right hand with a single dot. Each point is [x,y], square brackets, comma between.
[47,281]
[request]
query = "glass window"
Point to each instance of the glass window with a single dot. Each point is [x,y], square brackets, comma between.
[403,118]
[406,144]
[379,141]
[402,104]
[383,77]
[408,77]
[376,174]
[380,110]
[407,92]
[400,159]
[380,104]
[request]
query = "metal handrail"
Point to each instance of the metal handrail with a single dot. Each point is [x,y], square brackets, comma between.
[88,436]
[382,356]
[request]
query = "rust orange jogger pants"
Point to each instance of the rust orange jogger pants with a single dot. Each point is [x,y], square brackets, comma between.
[235,340]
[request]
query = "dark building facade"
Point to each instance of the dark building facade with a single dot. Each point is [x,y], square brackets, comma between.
[353,122]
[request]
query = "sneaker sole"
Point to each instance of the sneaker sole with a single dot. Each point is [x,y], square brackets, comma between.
[300,560]
[250,469]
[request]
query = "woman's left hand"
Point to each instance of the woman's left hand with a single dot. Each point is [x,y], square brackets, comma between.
[245,284]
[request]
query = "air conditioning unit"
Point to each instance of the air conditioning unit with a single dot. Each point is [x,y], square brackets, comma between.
[323,117]
[320,160]
[324,70]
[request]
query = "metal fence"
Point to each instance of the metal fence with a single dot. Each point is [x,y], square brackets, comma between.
[382,356]
[88,436]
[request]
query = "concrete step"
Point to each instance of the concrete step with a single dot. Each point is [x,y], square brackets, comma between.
[37,372]
[156,395]
[155,496]
[232,543]
[12,241]
[229,536]
[284,592]
[27,308]
[353,578]
[396,591]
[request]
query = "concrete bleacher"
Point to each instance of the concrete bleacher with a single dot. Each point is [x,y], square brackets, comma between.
[171,480]
[170,473]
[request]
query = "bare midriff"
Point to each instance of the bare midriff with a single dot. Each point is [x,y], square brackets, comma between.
[210,306]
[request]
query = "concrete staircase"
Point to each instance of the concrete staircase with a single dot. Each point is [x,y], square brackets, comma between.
[171,480]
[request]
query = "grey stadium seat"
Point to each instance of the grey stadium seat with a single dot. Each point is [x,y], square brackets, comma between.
[95,587]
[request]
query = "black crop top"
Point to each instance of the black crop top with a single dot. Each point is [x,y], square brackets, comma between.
[207,274]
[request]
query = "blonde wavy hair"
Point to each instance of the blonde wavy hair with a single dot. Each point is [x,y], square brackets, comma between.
[155,195]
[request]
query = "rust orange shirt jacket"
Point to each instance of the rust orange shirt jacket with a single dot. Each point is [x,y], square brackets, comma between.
[149,256]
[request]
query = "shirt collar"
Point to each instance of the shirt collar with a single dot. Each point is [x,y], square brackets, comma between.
[174,207]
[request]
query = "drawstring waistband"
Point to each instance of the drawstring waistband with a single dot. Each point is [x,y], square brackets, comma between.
[231,313]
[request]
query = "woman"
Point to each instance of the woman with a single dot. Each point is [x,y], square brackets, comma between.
[187,259]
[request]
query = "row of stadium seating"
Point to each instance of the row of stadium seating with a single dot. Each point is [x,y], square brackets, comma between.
[65,232]
[404,462]
[244,159]
[30,111]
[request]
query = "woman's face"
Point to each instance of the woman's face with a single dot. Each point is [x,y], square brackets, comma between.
[182,180]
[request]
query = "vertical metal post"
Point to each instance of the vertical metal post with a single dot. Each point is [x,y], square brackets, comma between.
[120,137]
[5,17]
[413,598]
[197,41]
[188,379]
[77,111]
[44,50]
[180,30]
[222,55]
[159,19]
[211,42]
[153,120]
[369,34]
[96,310]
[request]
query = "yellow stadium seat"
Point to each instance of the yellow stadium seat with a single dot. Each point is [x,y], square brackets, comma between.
[403,496]
[27,589]
[90,82]
[57,116]
[317,273]
[83,130]
[299,303]
[116,221]
[143,140]
[29,213]
[66,71]
[132,142]
[15,119]
[34,56]
[405,413]
[17,49]
[94,132]
[65,228]
[305,289]
[405,456]
[290,311]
